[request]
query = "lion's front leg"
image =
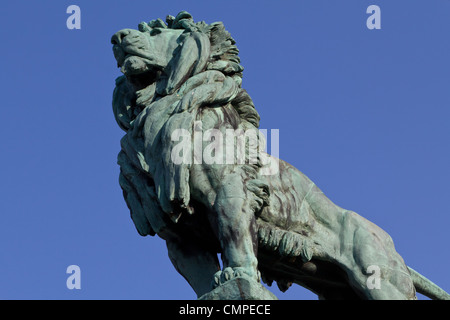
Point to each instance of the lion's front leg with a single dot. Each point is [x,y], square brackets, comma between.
[237,230]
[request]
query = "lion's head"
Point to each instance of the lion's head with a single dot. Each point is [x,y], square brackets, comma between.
[172,70]
[139,52]
[163,55]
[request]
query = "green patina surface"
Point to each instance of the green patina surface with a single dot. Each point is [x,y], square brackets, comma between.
[276,226]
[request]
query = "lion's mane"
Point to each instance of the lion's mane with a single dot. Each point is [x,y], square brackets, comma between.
[153,187]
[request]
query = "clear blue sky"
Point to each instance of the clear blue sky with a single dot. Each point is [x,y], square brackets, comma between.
[364,113]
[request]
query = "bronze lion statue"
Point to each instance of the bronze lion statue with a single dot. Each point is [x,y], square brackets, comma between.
[182,80]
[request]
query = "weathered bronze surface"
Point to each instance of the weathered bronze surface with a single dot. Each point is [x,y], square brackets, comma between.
[182,80]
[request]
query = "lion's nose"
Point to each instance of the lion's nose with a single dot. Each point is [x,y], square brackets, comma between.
[118,36]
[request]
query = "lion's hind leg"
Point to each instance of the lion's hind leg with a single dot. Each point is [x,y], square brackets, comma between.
[374,268]
[381,282]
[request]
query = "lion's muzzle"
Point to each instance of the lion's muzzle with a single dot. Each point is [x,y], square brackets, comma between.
[132,52]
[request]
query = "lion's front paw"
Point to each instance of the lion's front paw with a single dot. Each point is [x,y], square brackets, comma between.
[222,276]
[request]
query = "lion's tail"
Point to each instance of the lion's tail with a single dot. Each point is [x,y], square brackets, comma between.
[427,287]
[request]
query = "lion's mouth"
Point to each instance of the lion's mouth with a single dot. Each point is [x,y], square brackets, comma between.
[144,79]
[127,53]
[138,69]
[133,64]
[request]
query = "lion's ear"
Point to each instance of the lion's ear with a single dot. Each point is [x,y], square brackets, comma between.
[189,58]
